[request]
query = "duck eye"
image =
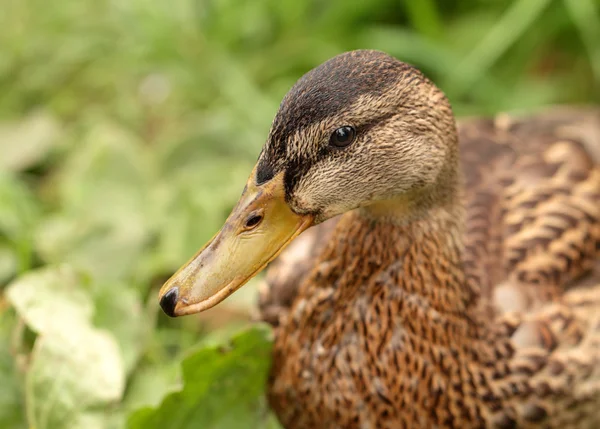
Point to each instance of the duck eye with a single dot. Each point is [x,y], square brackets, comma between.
[343,136]
[252,221]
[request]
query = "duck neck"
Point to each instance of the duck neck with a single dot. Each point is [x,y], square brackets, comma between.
[417,252]
[414,265]
[428,240]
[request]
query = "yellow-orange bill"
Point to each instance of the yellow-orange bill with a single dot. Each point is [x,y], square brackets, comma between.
[260,226]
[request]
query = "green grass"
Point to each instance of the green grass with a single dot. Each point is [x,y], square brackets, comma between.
[127,130]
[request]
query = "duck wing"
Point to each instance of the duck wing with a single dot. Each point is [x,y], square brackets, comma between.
[532,200]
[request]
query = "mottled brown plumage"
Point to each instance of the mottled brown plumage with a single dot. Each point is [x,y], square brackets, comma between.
[461,288]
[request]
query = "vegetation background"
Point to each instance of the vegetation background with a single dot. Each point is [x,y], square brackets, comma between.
[127,131]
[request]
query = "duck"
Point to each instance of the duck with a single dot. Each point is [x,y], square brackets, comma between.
[447,274]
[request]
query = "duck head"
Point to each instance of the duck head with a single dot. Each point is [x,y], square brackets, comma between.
[361,131]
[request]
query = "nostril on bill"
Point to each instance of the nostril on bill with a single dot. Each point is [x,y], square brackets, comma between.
[169,301]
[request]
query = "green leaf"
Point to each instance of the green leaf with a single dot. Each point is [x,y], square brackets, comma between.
[90,420]
[424,16]
[150,383]
[105,175]
[18,208]
[19,213]
[104,218]
[107,250]
[119,310]
[71,372]
[25,143]
[223,387]
[8,263]
[12,414]
[74,367]
[513,23]
[587,19]
[51,300]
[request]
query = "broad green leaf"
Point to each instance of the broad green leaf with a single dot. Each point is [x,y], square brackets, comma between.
[120,311]
[70,372]
[107,250]
[12,414]
[27,142]
[8,263]
[19,213]
[90,420]
[104,219]
[150,383]
[51,300]
[223,387]
[18,208]
[74,367]
[105,175]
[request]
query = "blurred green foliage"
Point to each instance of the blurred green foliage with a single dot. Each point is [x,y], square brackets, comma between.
[127,131]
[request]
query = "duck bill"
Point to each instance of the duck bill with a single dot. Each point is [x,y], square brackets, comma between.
[260,226]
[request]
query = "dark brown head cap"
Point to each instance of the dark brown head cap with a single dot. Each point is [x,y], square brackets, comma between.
[325,91]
